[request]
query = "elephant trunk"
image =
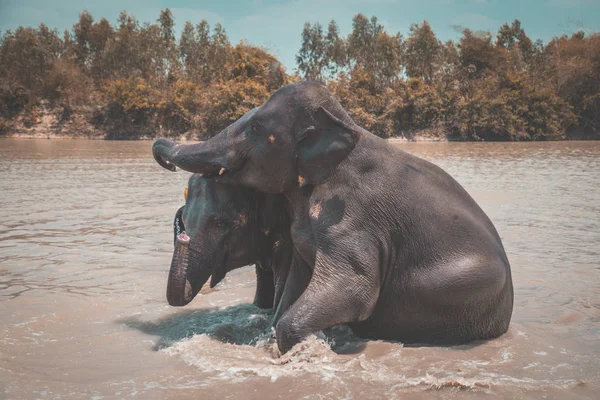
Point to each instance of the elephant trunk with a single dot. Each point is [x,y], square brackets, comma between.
[179,288]
[189,271]
[203,158]
[187,274]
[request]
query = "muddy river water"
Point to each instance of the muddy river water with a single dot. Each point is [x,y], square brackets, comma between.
[85,247]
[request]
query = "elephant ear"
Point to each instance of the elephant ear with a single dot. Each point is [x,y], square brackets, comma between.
[322,147]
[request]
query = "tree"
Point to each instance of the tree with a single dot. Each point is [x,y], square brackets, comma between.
[219,52]
[478,55]
[422,52]
[27,55]
[373,50]
[514,35]
[312,57]
[362,42]
[574,64]
[100,33]
[322,56]
[188,49]
[81,31]
[169,62]
[514,40]
[335,50]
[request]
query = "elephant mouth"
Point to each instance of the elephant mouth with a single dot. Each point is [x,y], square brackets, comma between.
[219,171]
[213,171]
[178,226]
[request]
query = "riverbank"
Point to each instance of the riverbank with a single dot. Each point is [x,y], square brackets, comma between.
[52,123]
[40,134]
[181,138]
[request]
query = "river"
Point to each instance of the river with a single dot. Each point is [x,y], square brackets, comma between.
[85,247]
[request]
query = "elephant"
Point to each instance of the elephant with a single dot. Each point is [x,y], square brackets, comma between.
[222,227]
[397,249]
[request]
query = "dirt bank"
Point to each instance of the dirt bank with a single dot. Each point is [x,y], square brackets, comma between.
[45,122]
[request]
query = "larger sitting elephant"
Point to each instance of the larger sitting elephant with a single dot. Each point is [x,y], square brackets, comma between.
[398,249]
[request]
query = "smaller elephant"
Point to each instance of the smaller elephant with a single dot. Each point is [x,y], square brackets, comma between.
[222,227]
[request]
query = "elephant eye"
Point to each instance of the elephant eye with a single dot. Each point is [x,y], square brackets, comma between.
[219,223]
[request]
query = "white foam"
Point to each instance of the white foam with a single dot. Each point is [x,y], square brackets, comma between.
[256,355]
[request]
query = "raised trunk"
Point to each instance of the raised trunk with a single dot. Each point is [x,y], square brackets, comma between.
[204,158]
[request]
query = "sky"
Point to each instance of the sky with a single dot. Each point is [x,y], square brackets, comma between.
[277,24]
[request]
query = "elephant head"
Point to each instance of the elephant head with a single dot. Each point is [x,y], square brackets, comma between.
[298,137]
[220,228]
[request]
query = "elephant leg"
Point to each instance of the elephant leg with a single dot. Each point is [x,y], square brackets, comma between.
[281,265]
[280,278]
[265,287]
[340,291]
[297,280]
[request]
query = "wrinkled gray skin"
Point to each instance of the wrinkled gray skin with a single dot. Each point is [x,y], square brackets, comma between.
[395,247]
[223,227]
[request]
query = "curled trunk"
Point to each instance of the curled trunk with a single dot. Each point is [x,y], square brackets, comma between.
[205,158]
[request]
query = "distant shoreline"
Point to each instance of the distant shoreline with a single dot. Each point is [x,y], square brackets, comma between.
[184,138]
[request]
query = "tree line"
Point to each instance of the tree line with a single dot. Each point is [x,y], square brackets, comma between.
[132,79]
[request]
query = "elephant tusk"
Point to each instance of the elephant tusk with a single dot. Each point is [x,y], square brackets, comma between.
[222,171]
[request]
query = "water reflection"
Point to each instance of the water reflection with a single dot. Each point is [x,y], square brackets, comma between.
[242,324]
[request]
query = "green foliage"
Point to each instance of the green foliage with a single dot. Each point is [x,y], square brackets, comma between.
[131,95]
[135,79]
[13,100]
[254,74]
[511,109]
[312,58]
[367,105]
[372,49]
[177,110]
[66,83]
[131,79]
[423,51]
[476,89]
[418,107]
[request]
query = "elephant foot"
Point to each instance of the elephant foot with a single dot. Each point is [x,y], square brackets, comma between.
[287,334]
